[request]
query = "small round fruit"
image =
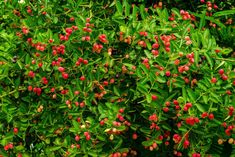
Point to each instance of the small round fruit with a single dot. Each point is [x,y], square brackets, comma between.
[221,71]
[15,130]
[154,97]
[134,136]
[211,116]
[213,80]
[220,141]
[168,73]
[230,141]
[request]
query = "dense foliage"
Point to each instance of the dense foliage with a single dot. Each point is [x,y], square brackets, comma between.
[95,78]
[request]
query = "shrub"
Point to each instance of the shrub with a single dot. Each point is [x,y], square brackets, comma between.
[124,81]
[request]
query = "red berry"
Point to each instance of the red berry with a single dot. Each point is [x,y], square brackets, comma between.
[31,74]
[196,120]
[52,90]
[76,92]
[168,73]
[19,155]
[221,71]
[121,110]
[186,143]
[30,88]
[111,81]
[10,145]
[167,103]
[80,60]
[88,137]
[85,61]
[231,108]
[165,109]
[106,83]
[88,20]
[154,97]
[204,115]
[102,122]
[213,80]
[228,92]
[82,104]
[167,143]
[134,136]
[71,19]
[82,78]
[211,116]
[15,130]
[177,107]
[61,69]
[175,102]
[65,75]
[185,108]
[76,103]
[227,132]
[6,147]
[217,50]
[86,133]
[77,138]
[194,155]
[189,105]
[177,62]
[224,77]
[77,63]
[33,61]
[40,64]
[224,124]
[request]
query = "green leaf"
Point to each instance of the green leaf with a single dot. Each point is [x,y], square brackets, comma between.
[161,79]
[92,154]
[134,12]
[191,95]
[116,91]
[212,19]
[127,8]
[202,20]
[142,88]
[142,12]
[200,107]
[145,130]
[53,148]
[224,13]
[205,98]
[147,53]
[55,19]
[101,138]
[149,46]
[215,96]
[166,127]
[119,7]
[147,143]
[201,86]
[208,58]
[226,51]
[196,57]
[118,145]
[19,148]
[143,67]
[148,97]
[76,125]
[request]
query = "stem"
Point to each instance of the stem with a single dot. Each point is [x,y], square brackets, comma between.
[184,136]
[8,93]
[225,59]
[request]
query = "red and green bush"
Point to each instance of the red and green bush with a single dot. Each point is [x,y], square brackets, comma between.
[112,79]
